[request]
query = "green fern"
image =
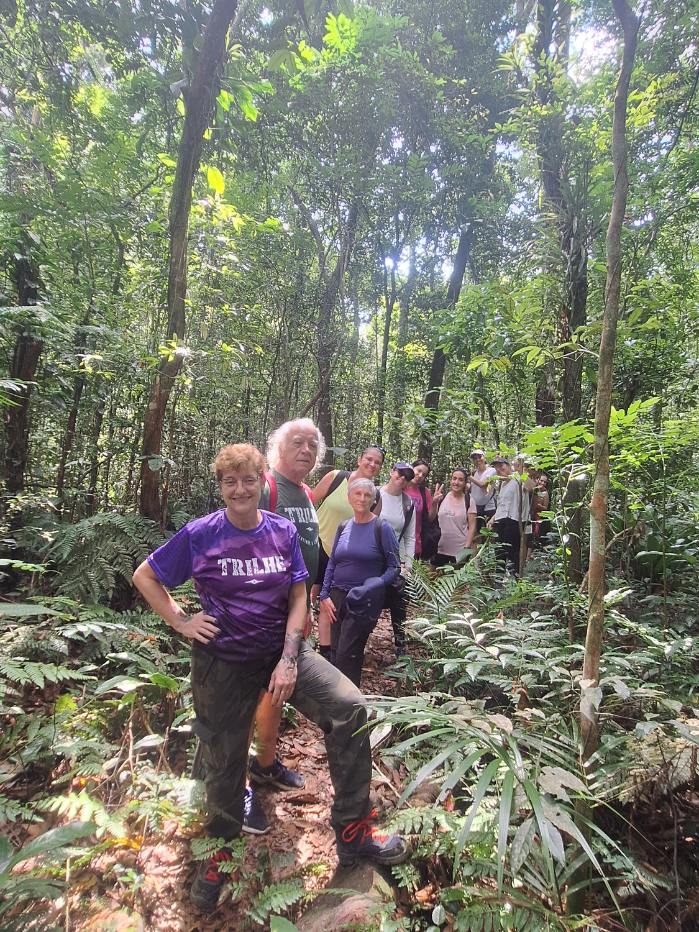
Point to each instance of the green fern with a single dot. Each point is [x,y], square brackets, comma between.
[275,898]
[92,556]
[18,670]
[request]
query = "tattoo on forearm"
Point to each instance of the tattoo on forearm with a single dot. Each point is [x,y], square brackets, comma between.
[292,642]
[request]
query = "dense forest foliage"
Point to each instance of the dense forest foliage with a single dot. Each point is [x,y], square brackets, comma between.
[398,219]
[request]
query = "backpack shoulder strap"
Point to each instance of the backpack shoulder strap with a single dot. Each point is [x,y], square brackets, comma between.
[308,490]
[378,523]
[272,483]
[339,475]
[408,509]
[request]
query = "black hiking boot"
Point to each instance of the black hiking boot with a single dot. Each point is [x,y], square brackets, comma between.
[209,880]
[360,841]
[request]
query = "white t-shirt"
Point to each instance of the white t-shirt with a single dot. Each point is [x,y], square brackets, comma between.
[509,501]
[392,511]
[453,522]
[484,496]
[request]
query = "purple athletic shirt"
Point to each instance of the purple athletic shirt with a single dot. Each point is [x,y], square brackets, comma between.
[242,578]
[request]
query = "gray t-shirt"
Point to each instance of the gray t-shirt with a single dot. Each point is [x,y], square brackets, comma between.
[293,503]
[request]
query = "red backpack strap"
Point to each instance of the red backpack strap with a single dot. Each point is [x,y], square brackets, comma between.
[308,490]
[272,483]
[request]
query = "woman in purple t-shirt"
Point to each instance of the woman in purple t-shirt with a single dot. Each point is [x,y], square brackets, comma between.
[250,576]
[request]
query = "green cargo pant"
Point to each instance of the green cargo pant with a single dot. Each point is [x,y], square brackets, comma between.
[225,698]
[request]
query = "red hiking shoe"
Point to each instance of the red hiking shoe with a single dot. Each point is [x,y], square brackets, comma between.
[361,841]
[209,880]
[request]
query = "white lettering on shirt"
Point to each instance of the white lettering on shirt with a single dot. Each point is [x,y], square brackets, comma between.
[231,566]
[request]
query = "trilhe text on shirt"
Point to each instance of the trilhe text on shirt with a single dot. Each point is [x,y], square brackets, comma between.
[232,567]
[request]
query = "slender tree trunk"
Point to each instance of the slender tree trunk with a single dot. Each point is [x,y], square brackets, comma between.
[327,340]
[25,359]
[389,300]
[439,359]
[78,386]
[591,692]
[600,495]
[199,102]
[91,500]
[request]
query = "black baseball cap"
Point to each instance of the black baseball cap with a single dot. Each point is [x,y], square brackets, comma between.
[406,469]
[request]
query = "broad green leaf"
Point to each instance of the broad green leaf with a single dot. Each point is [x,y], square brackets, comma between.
[215,179]
[124,684]
[504,821]
[167,682]
[54,839]
[521,844]
[481,789]
[6,853]
[21,609]
[280,924]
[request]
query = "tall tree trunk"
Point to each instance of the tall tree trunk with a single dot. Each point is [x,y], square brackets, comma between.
[25,359]
[327,341]
[389,300]
[553,37]
[78,386]
[591,692]
[439,359]
[600,494]
[91,500]
[199,102]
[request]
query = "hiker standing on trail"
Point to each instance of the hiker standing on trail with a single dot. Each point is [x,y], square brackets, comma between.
[294,450]
[483,489]
[330,499]
[512,514]
[457,520]
[399,510]
[363,563]
[250,576]
[425,511]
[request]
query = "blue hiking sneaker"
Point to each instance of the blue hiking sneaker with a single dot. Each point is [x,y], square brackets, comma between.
[277,775]
[255,822]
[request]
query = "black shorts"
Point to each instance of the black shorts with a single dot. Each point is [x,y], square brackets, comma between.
[483,517]
[442,559]
[323,560]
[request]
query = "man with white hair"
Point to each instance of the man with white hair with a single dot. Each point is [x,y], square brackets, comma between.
[294,451]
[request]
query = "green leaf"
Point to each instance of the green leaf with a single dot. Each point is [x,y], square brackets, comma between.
[167,682]
[347,8]
[53,839]
[521,844]
[280,58]
[21,609]
[504,821]
[481,789]
[6,853]
[124,684]
[280,924]
[215,179]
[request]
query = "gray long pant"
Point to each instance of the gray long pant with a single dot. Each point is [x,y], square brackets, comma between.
[225,698]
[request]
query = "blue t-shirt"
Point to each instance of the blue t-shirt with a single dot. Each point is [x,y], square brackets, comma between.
[356,557]
[243,579]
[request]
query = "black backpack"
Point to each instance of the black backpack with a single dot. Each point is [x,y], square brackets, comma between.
[430,531]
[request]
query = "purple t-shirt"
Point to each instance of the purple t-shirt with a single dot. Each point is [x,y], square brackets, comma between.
[243,579]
